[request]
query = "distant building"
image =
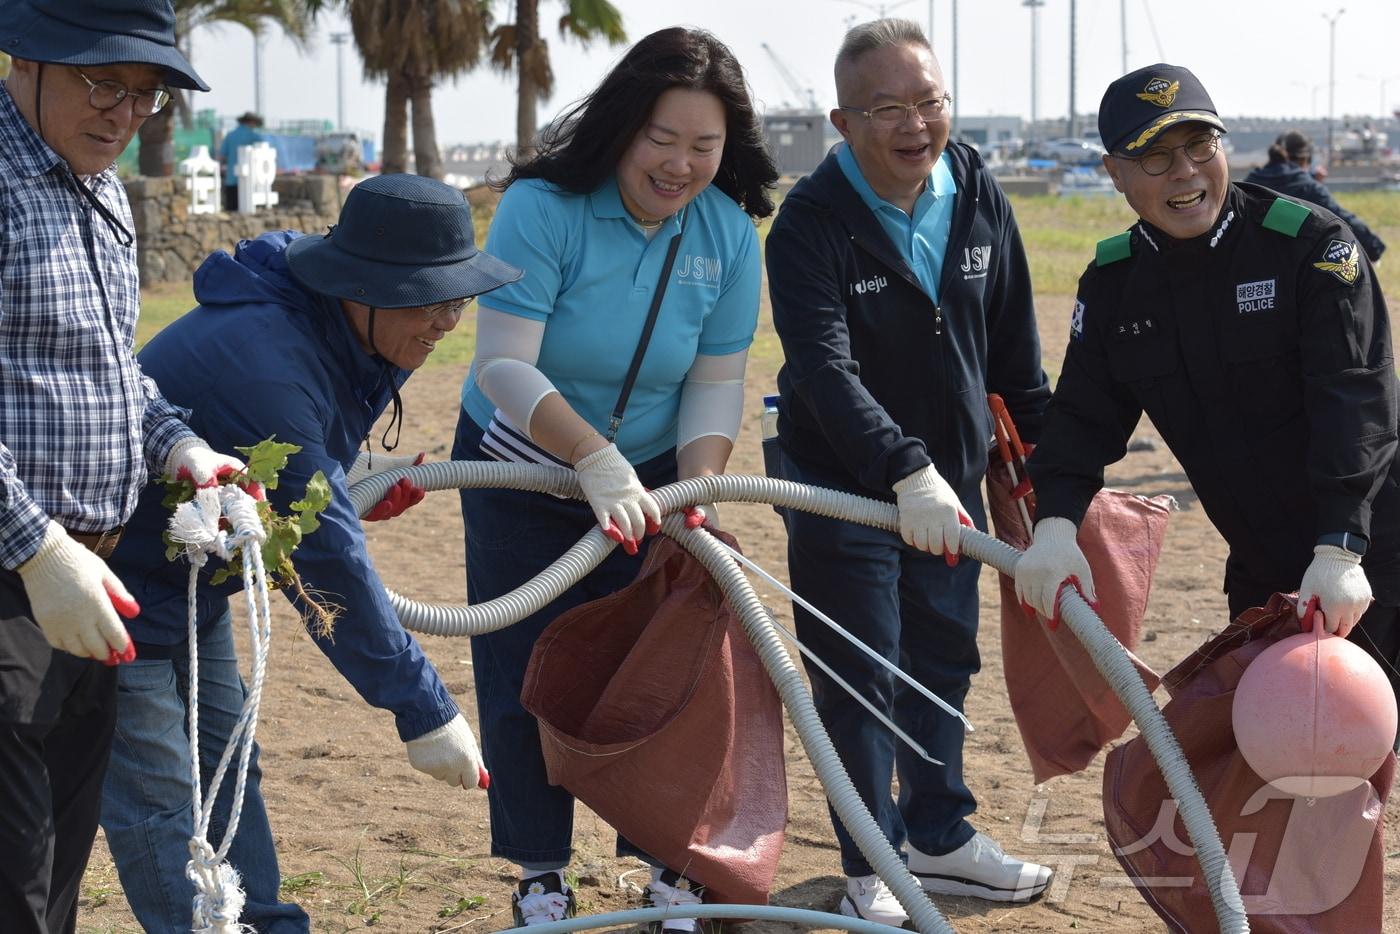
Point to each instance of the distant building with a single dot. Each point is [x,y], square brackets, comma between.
[796,140]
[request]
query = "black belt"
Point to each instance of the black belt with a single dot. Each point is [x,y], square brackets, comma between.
[101,544]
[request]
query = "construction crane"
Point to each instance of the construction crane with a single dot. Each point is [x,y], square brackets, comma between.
[791,80]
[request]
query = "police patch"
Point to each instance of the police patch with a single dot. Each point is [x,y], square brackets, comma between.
[1076,321]
[1160,91]
[1341,259]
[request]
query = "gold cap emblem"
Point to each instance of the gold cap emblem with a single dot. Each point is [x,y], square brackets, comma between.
[1159,91]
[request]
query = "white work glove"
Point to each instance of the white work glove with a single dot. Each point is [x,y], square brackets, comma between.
[1337,583]
[930,514]
[367,465]
[704,514]
[193,460]
[1053,558]
[450,754]
[75,599]
[625,510]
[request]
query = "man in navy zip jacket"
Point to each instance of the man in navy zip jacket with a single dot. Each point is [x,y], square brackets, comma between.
[902,298]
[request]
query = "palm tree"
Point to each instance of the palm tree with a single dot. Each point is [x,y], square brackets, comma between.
[156,155]
[517,46]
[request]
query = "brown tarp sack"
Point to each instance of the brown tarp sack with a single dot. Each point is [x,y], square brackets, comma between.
[656,712]
[1067,712]
[1303,865]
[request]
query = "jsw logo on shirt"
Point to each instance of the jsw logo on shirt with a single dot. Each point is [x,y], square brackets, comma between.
[976,260]
[706,271]
[872,285]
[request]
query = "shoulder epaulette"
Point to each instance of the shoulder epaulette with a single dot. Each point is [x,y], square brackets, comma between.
[1113,249]
[1286,217]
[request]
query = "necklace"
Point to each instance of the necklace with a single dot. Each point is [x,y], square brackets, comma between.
[645,225]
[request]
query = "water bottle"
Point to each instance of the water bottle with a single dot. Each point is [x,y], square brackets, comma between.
[768,429]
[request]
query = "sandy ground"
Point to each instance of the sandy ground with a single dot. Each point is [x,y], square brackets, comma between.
[366,841]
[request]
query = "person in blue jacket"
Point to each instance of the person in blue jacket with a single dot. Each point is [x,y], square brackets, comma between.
[902,298]
[1288,172]
[246,133]
[649,187]
[306,338]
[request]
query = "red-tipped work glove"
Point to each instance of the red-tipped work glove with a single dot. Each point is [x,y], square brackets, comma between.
[1053,560]
[625,510]
[450,754]
[705,514]
[930,514]
[75,599]
[193,460]
[1337,583]
[403,495]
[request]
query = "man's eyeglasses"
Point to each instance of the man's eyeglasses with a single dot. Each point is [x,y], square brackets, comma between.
[1159,159]
[453,307]
[105,94]
[893,115]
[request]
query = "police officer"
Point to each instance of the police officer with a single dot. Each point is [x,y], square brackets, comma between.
[1251,330]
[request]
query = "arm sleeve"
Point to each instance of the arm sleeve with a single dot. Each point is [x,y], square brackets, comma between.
[1349,389]
[1372,244]
[507,349]
[712,398]
[369,647]
[1013,342]
[163,426]
[810,317]
[1088,422]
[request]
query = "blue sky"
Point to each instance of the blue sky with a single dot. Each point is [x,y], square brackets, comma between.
[1257,57]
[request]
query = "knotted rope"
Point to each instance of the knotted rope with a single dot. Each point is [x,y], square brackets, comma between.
[218,898]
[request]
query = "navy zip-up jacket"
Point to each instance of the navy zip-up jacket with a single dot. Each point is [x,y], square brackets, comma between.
[262,356]
[1296,182]
[880,380]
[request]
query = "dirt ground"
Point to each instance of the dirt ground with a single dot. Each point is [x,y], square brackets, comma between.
[364,840]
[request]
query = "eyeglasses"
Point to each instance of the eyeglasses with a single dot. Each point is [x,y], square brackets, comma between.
[454,307]
[105,94]
[1159,159]
[893,115]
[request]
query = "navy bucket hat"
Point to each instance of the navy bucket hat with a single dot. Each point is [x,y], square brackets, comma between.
[402,241]
[96,32]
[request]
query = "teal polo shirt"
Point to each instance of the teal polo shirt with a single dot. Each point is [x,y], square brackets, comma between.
[590,273]
[922,240]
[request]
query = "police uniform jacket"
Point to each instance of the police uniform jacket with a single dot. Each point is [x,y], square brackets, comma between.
[1261,351]
[879,379]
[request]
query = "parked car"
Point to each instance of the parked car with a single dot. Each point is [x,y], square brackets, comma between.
[1068,151]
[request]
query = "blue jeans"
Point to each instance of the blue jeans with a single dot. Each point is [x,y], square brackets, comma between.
[146,798]
[917,613]
[511,536]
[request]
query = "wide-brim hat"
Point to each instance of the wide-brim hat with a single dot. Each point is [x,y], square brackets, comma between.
[1143,104]
[97,32]
[402,241]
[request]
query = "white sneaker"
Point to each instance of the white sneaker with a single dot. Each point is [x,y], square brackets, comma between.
[980,869]
[541,899]
[669,889]
[868,898]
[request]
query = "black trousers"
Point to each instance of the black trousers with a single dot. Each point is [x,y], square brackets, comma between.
[57,713]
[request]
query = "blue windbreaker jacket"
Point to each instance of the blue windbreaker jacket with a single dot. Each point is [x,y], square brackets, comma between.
[262,356]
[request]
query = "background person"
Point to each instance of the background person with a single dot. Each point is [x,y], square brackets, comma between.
[668,145]
[1251,330]
[246,133]
[351,314]
[901,295]
[80,426]
[1289,172]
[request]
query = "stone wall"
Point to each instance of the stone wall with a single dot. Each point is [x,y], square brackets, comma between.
[171,243]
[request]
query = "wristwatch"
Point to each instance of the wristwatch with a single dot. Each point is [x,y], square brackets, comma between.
[1349,541]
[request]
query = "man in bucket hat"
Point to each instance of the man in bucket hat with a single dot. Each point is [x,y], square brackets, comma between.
[80,427]
[1251,329]
[307,338]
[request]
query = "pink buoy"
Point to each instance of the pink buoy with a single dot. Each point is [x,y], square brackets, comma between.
[1314,715]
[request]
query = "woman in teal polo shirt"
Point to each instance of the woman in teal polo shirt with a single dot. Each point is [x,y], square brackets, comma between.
[651,184]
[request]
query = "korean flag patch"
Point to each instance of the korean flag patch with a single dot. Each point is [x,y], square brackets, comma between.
[1076,321]
[1341,259]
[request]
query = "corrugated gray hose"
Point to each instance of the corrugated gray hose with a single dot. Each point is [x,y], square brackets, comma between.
[1108,654]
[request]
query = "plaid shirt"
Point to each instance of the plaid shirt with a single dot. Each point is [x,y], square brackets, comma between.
[76,414]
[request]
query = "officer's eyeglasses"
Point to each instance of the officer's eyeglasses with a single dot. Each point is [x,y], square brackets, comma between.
[1159,159]
[455,307]
[106,94]
[893,115]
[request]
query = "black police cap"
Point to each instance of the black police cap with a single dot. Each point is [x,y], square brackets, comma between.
[1140,105]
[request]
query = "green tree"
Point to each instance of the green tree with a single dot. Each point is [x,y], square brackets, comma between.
[519,47]
[156,155]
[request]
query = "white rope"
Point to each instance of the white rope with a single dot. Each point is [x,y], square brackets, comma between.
[218,898]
